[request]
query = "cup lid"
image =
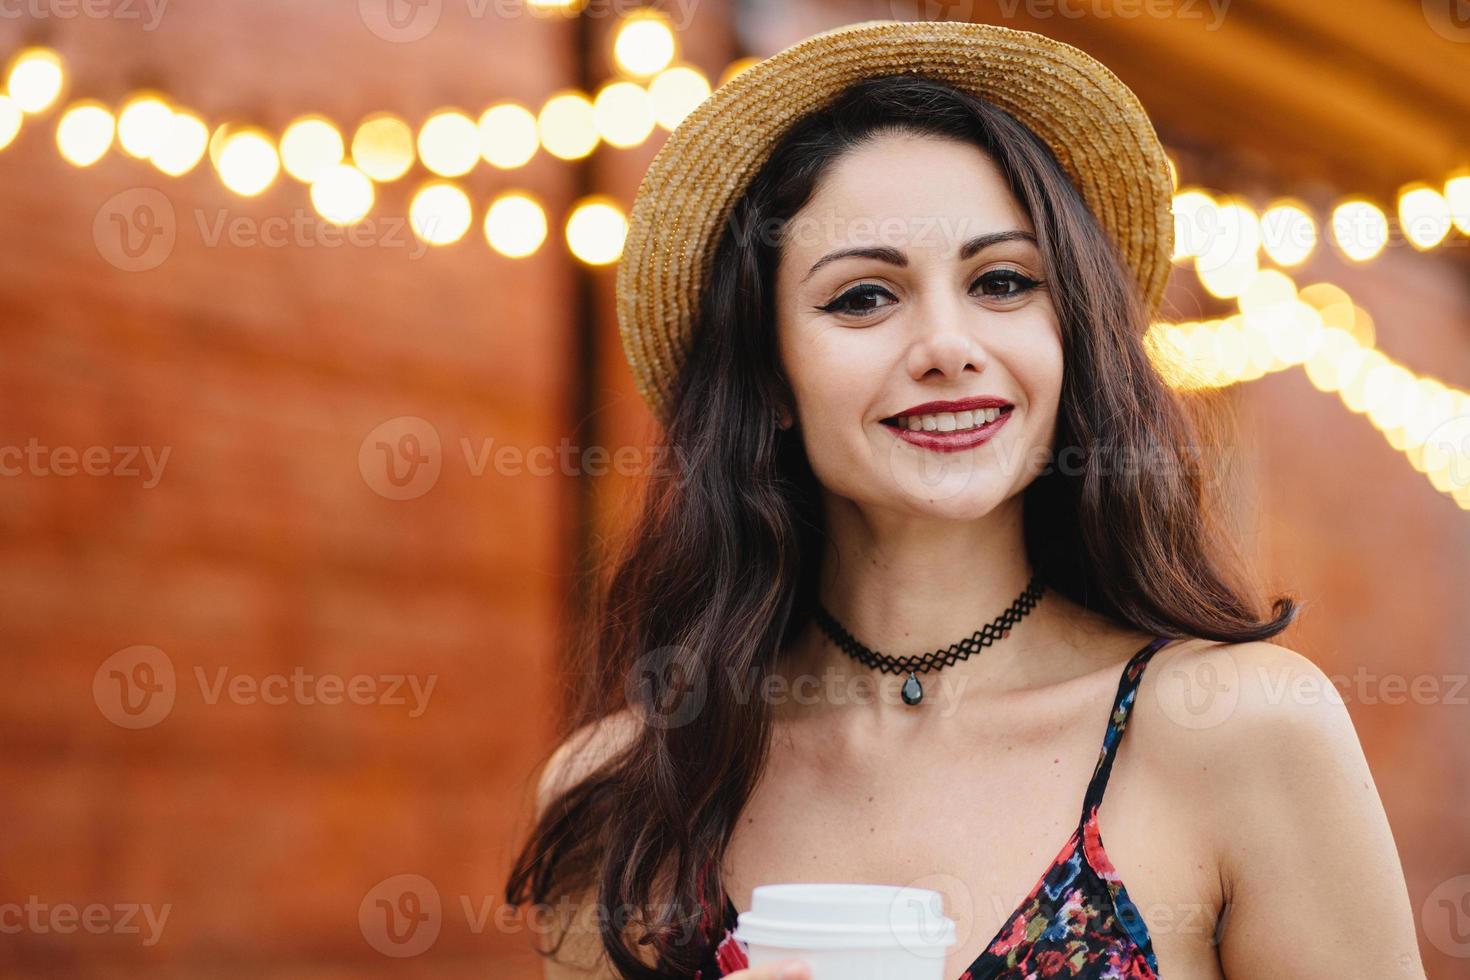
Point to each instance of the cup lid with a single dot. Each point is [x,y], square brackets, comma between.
[846,916]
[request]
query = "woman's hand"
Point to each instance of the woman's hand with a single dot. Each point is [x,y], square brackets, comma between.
[784,970]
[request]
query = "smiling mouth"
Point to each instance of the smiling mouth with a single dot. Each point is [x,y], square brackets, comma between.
[948,421]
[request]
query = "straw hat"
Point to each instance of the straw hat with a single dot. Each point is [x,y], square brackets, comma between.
[1091,121]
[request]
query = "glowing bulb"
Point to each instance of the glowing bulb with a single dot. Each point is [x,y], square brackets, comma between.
[383,147]
[439,213]
[623,114]
[449,143]
[141,124]
[1193,220]
[248,162]
[1424,215]
[310,146]
[182,144]
[644,45]
[1288,234]
[1234,238]
[596,230]
[568,126]
[508,135]
[1359,229]
[515,225]
[84,133]
[342,194]
[35,79]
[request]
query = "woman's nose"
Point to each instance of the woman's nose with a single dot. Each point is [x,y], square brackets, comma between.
[944,338]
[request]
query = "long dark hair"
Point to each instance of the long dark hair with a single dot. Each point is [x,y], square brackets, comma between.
[717,573]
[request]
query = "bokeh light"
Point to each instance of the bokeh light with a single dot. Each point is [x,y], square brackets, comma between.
[34,80]
[644,44]
[596,230]
[449,143]
[515,225]
[508,135]
[568,126]
[182,144]
[440,213]
[84,133]
[342,194]
[248,163]
[310,146]
[383,147]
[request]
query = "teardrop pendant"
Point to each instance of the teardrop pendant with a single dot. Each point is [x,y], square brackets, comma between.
[913,691]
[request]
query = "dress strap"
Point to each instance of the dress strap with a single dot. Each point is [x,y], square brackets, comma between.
[1118,723]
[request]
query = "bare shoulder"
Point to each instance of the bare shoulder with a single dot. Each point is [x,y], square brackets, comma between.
[1223,708]
[584,751]
[1257,741]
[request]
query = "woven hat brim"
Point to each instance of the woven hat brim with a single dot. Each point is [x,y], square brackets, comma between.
[1092,122]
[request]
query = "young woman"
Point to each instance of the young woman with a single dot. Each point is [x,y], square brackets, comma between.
[918,417]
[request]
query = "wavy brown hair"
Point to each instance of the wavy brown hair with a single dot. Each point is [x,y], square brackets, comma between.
[718,571]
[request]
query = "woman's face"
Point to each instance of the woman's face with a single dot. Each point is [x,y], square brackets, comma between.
[918,315]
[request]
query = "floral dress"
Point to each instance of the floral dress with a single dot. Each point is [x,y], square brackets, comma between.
[1078,921]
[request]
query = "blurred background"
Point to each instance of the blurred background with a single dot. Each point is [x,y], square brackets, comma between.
[312,408]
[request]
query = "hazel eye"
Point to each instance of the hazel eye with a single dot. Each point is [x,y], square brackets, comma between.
[859,294]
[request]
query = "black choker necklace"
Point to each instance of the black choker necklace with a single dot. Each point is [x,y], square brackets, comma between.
[913,691]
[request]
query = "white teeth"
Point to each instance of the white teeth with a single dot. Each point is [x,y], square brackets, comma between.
[949,421]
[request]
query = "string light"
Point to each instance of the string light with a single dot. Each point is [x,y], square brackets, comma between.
[1317,327]
[1424,215]
[382,147]
[1288,233]
[182,144]
[34,80]
[248,163]
[141,123]
[568,126]
[596,230]
[508,135]
[310,146]
[1359,229]
[439,213]
[643,44]
[449,143]
[342,194]
[623,114]
[84,133]
[515,225]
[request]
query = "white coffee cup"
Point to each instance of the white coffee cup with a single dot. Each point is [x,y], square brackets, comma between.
[849,931]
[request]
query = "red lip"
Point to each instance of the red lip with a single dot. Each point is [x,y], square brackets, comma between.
[951,442]
[963,405]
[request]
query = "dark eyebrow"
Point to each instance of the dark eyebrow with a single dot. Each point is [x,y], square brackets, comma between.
[893,256]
